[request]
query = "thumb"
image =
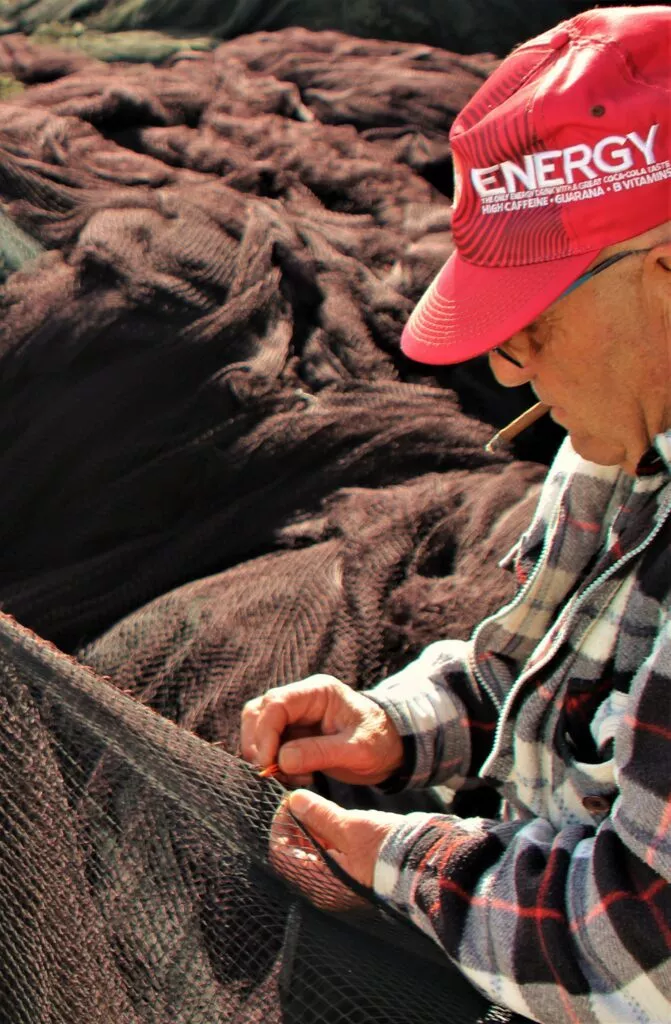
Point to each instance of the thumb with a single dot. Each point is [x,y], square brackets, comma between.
[321,817]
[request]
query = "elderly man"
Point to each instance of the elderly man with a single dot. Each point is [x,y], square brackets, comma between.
[560,908]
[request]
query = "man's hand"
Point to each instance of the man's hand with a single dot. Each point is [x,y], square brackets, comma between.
[320,724]
[351,838]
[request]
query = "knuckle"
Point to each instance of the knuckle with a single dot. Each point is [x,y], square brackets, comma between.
[321,679]
[269,701]
[249,712]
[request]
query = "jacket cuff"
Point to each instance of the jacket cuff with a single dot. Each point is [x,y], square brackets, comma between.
[403,856]
[433,725]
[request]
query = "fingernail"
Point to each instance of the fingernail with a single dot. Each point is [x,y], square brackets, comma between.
[299,802]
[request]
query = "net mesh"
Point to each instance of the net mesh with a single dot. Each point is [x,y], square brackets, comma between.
[218,473]
[135,882]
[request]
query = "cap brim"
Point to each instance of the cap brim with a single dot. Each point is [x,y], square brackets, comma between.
[468,310]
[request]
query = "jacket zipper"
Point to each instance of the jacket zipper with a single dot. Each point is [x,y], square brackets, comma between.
[662,516]
[515,603]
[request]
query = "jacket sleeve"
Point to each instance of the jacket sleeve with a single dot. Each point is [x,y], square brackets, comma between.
[445,719]
[567,923]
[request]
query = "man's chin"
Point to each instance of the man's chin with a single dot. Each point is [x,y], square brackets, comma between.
[593,449]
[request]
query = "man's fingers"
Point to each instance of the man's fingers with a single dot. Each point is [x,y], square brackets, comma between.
[313,754]
[265,719]
[321,817]
[351,838]
[293,855]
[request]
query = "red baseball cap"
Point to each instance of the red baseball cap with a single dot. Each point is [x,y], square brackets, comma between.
[566,149]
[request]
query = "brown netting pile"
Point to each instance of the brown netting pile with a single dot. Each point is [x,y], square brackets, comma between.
[218,473]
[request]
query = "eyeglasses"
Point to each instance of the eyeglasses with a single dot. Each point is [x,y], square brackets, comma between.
[604,265]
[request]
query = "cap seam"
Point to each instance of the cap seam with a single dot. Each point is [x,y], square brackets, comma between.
[546,53]
[633,76]
[576,26]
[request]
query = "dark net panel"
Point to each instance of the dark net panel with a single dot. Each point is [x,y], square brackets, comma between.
[135,884]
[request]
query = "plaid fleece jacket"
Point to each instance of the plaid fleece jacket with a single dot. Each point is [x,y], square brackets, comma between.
[560,909]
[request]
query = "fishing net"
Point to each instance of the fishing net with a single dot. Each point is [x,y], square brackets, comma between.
[209,349]
[356,593]
[218,473]
[136,886]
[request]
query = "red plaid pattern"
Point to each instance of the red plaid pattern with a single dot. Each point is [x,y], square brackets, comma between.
[561,908]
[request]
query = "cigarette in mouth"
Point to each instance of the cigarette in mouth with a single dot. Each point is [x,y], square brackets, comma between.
[517,426]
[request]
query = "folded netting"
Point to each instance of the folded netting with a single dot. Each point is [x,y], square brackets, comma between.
[209,350]
[136,885]
[219,473]
[357,592]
